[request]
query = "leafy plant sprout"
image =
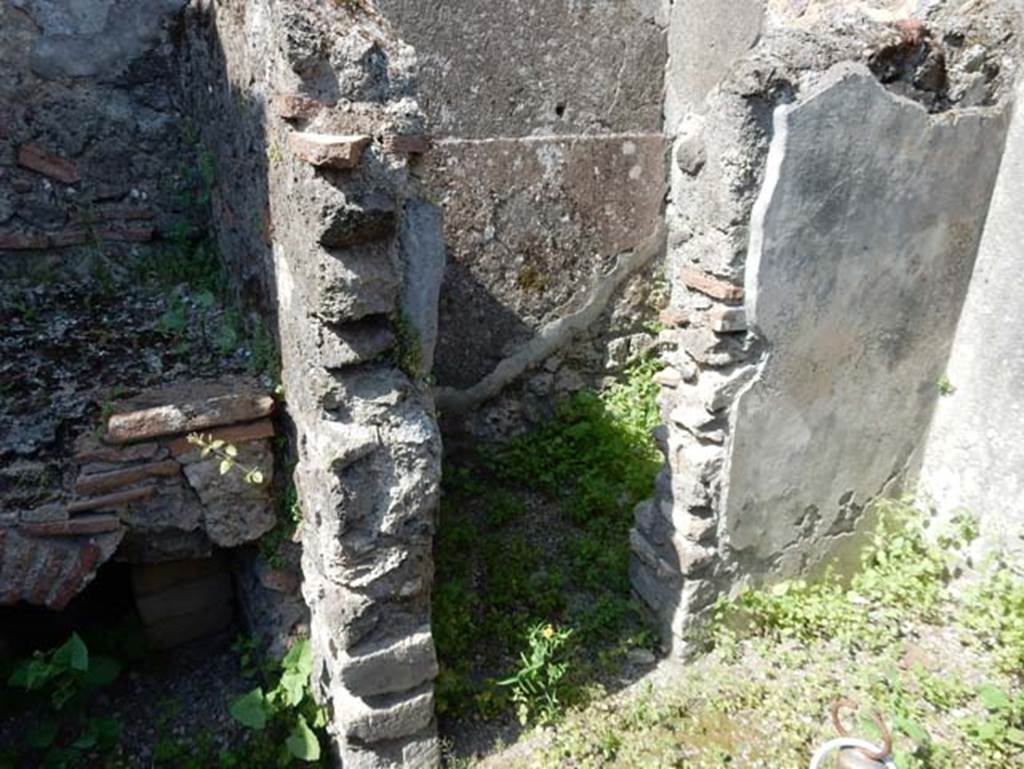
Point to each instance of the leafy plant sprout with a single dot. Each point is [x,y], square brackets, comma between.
[227,453]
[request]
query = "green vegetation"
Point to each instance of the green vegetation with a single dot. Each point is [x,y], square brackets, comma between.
[227,453]
[533,533]
[940,659]
[283,719]
[407,350]
[57,683]
[207,308]
[535,685]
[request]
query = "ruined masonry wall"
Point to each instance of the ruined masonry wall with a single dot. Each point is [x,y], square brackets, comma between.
[818,257]
[91,145]
[549,166]
[309,107]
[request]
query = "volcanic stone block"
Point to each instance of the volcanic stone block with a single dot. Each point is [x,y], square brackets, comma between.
[368,218]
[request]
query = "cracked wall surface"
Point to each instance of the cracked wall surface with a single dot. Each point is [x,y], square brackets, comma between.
[501,188]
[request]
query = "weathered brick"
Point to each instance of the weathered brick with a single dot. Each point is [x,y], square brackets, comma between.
[71,583]
[46,163]
[90,524]
[293,106]
[112,213]
[102,482]
[711,286]
[19,241]
[185,598]
[407,144]
[110,501]
[46,577]
[280,580]
[87,449]
[155,577]
[44,514]
[126,234]
[329,150]
[69,237]
[253,431]
[673,318]
[186,417]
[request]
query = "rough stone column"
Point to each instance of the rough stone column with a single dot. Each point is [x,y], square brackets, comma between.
[828,196]
[354,260]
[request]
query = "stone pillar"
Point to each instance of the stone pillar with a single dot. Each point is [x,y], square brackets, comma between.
[828,196]
[354,259]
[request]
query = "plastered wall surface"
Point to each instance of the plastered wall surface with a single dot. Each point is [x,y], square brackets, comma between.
[860,255]
[974,456]
[797,190]
[549,168]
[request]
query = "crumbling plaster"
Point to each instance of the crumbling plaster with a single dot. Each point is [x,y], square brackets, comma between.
[861,254]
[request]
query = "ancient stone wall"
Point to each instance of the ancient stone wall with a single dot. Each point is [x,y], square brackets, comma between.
[309,108]
[817,268]
[90,135]
[548,163]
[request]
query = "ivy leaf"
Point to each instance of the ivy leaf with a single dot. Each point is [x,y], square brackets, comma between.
[993,698]
[42,734]
[302,743]
[231,450]
[205,299]
[293,686]
[255,478]
[32,674]
[72,655]
[225,466]
[299,657]
[103,671]
[248,709]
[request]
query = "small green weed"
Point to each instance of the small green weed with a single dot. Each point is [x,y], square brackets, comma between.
[939,660]
[536,683]
[63,680]
[285,718]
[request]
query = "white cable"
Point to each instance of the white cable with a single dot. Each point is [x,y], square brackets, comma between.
[846,742]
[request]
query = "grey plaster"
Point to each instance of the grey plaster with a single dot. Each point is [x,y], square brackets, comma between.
[521,67]
[421,243]
[860,257]
[974,457]
[86,38]
[528,224]
[706,37]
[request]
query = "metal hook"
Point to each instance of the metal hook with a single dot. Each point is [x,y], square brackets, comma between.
[877,755]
